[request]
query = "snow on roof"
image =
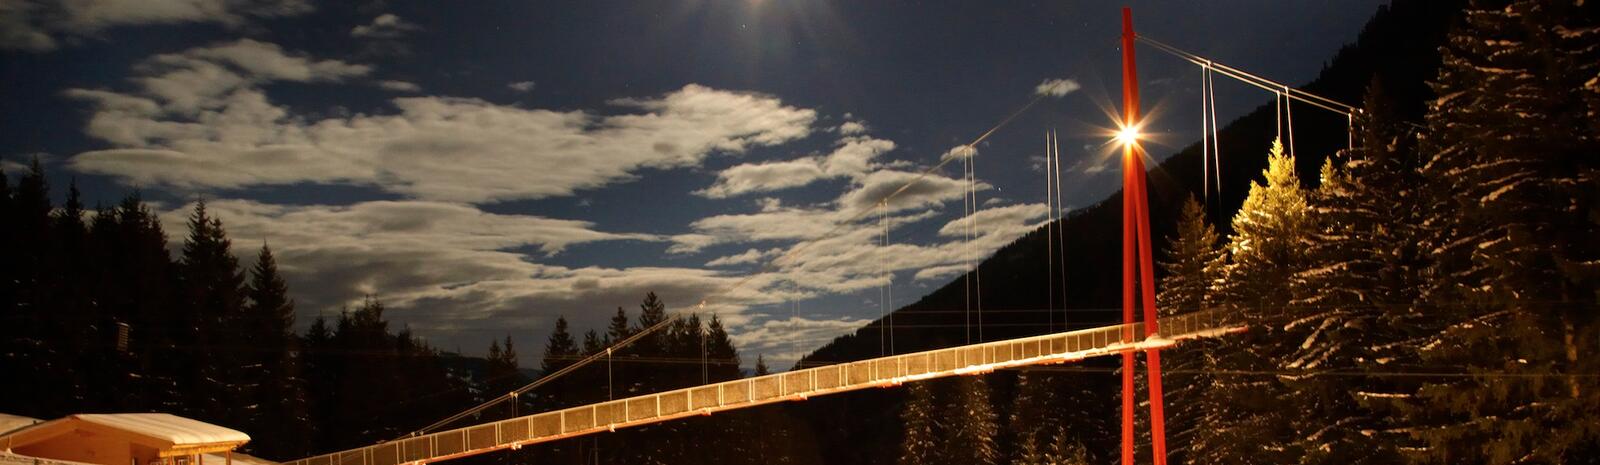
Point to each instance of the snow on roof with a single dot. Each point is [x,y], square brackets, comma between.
[7,458]
[177,430]
[239,458]
[9,423]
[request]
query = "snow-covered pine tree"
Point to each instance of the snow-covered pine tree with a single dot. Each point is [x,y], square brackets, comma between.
[1246,419]
[1193,262]
[1354,294]
[1034,420]
[920,445]
[1513,178]
[969,437]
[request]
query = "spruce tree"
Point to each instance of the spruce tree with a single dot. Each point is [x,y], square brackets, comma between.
[218,377]
[559,351]
[592,343]
[970,435]
[921,442]
[83,339]
[1513,177]
[1193,263]
[1245,418]
[142,290]
[283,413]
[31,344]
[722,355]
[1356,291]
[10,313]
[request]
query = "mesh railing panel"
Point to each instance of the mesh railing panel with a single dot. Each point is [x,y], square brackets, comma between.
[745,392]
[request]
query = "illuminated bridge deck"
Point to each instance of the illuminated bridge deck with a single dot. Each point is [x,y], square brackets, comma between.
[760,390]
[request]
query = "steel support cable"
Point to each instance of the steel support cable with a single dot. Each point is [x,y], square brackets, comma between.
[766,268]
[884,267]
[1288,112]
[1205,135]
[550,377]
[977,262]
[1216,148]
[1252,79]
[1049,231]
[1061,231]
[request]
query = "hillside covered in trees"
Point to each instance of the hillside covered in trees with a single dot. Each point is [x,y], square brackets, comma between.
[1426,296]
[100,317]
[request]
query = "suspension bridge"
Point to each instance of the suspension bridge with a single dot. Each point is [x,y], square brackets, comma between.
[1149,334]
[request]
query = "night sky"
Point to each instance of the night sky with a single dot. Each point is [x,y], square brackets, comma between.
[485,166]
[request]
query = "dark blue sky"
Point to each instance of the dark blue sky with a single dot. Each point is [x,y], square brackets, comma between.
[485,166]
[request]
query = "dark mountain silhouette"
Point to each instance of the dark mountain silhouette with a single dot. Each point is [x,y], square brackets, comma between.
[1398,47]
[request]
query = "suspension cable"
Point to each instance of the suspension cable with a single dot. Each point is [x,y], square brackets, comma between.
[1288,111]
[978,266]
[1252,79]
[1061,231]
[884,269]
[1050,233]
[1216,149]
[773,265]
[1205,135]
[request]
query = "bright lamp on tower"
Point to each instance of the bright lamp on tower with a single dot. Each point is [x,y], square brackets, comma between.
[1128,135]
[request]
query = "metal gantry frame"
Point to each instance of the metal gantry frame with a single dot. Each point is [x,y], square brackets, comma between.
[779,387]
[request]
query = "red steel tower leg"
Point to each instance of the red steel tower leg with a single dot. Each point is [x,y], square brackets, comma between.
[1137,262]
[1130,227]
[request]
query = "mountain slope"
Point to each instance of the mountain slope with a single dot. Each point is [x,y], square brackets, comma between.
[1397,46]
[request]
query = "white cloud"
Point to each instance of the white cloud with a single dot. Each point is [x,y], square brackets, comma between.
[385,26]
[852,158]
[35,26]
[201,119]
[763,177]
[400,86]
[521,86]
[784,341]
[927,191]
[852,128]
[940,272]
[854,155]
[751,256]
[1056,87]
[447,268]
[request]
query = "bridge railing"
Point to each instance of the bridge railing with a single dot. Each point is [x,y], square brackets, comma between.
[777,387]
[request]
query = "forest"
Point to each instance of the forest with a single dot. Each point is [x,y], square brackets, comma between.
[1427,292]
[1423,293]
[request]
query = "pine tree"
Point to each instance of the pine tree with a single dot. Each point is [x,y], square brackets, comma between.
[619,328]
[218,377]
[83,338]
[970,436]
[920,445]
[10,313]
[1033,424]
[1513,179]
[761,366]
[1357,291]
[30,346]
[722,355]
[560,352]
[281,413]
[1244,419]
[592,343]
[1194,263]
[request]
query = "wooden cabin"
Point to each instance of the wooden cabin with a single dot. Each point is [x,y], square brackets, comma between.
[125,439]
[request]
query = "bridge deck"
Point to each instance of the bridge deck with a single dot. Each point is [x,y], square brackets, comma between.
[777,387]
